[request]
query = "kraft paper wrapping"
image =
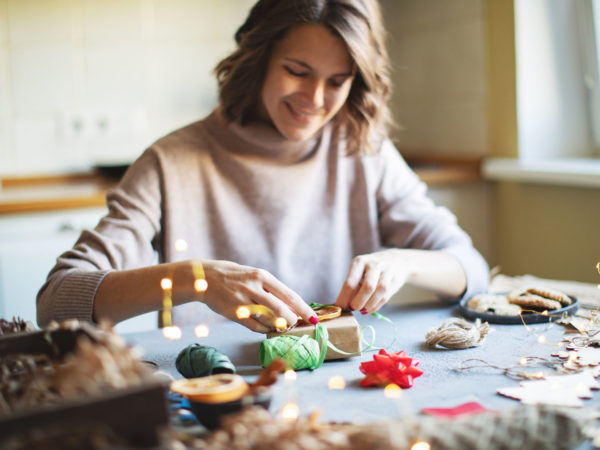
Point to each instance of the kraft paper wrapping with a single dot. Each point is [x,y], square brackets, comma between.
[344,334]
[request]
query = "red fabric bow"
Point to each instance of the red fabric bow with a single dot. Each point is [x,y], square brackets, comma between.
[388,368]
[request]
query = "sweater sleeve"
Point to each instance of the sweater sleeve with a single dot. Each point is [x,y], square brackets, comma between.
[125,238]
[408,218]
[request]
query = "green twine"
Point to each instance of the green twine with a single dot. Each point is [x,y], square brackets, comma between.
[201,360]
[299,352]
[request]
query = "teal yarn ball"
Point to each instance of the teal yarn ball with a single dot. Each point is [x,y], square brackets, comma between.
[198,360]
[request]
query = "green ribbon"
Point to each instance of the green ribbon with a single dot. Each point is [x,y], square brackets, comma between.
[369,346]
[299,352]
[305,352]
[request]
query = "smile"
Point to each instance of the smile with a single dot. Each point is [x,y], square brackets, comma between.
[299,115]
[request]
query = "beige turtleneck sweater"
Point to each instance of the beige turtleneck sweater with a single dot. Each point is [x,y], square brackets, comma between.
[302,211]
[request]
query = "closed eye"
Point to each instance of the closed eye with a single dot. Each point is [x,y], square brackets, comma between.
[294,72]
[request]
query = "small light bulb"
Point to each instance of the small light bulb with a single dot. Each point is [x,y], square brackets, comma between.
[172,332]
[181,245]
[421,446]
[200,285]
[201,330]
[243,312]
[392,391]
[281,323]
[542,339]
[166,283]
[290,411]
[290,375]
[523,361]
[336,382]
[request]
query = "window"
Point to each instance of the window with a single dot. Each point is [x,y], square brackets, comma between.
[558,103]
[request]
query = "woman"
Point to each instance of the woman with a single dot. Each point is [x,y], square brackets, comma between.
[289,192]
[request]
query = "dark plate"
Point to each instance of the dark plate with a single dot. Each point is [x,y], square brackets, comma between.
[527,317]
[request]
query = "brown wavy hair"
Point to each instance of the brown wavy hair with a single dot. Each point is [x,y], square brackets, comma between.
[365,117]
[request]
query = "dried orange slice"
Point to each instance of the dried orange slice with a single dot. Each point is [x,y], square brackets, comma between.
[328,312]
[220,388]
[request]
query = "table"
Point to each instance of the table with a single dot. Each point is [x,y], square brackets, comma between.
[440,385]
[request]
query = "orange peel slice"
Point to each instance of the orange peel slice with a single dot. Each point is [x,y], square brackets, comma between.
[220,388]
[328,312]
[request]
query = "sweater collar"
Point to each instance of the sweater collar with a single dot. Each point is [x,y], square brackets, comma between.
[261,140]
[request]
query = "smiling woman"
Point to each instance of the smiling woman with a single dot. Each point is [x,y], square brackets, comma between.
[289,192]
[307,83]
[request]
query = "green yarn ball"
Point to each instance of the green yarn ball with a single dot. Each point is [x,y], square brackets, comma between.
[198,360]
[299,352]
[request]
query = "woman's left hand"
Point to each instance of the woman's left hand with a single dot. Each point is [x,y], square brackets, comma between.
[372,279]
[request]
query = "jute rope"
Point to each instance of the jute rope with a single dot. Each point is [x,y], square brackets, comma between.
[457,333]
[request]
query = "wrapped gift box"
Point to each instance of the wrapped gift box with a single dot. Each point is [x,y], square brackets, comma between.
[343,331]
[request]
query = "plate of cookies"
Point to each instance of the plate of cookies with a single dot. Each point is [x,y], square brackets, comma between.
[526,305]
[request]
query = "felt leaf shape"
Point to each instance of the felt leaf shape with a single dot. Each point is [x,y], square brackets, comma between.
[389,368]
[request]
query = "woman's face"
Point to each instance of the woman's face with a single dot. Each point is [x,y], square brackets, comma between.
[308,79]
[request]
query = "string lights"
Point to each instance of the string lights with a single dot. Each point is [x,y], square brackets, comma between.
[258,311]
[200,284]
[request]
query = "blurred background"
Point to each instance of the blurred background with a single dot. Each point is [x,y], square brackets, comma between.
[496,103]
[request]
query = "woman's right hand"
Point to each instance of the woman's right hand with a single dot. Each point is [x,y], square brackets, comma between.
[232,285]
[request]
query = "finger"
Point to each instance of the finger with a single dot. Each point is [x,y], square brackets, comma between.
[254,325]
[279,308]
[351,284]
[368,285]
[281,295]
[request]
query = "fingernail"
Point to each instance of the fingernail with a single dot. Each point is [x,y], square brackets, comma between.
[363,311]
[314,320]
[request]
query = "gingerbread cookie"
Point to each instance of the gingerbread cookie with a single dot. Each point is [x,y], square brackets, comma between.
[551,294]
[493,304]
[527,300]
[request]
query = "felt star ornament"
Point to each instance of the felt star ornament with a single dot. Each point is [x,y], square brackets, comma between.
[563,390]
[389,368]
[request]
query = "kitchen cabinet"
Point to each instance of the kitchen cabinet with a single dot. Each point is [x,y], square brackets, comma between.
[29,246]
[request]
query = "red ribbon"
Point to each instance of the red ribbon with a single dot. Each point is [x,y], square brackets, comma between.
[389,368]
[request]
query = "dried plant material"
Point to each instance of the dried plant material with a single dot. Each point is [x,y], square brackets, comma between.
[17,325]
[524,428]
[99,363]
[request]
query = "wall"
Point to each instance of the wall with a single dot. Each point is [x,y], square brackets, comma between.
[439,67]
[550,232]
[87,81]
[440,97]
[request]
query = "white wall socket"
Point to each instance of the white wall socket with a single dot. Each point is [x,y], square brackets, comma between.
[104,135]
